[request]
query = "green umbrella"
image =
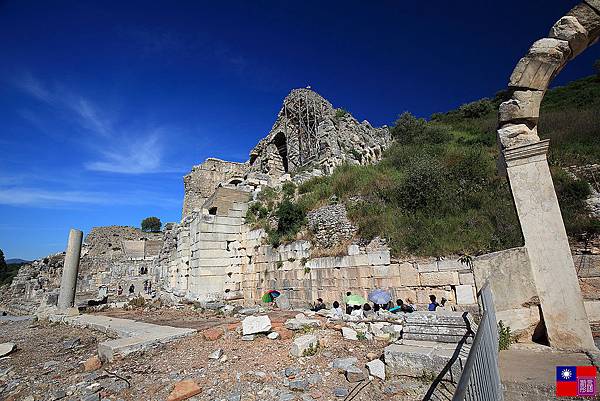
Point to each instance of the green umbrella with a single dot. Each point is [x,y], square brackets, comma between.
[355,300]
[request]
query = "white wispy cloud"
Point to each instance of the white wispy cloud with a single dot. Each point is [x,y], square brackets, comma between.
[118,148]
[36,197]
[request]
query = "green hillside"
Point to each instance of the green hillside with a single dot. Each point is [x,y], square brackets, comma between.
[437,190]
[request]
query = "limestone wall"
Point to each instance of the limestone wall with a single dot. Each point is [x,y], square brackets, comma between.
[291,270]
[330,225]
[204,178]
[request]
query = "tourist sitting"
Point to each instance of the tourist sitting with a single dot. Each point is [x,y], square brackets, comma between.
[337,312]
[398,307]
[411,304]
[348,307]
[120,290]
[318,305]
[433,305]
[357,312]
[131,289]
[368,311]
[376,308]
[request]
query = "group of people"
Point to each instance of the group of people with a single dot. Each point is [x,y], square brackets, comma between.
[367,311]
[147,288]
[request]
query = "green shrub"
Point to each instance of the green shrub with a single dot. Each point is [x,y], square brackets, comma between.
[289,189]
[504,336]
[477,109]
[340,113]
[291,218]
[407,128]
[572,194]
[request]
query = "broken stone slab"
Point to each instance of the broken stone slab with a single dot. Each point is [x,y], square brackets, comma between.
[427,318]
[569,29]
[414,361]
[512,135]
[300,322]
[349,334]
[273,336]
[523,105]
[343,363]
[7,348]
[184,390]
[249,337]
[256,325]
[216,354]
[303,345]
[376,368]
[354,374]
[340,392]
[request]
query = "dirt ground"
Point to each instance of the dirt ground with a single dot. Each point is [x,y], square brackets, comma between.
[254,370]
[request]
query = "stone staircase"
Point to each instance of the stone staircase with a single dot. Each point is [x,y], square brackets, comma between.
[434,346]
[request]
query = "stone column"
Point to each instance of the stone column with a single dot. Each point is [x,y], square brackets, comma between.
[546,241]
[68,282]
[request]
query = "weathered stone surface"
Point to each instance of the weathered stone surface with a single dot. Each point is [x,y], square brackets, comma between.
[273,336]
[439,279]
[354,374]
[7,348]
[414,361]
[256,324]
[183,390]
[524,105]
[299,385]
[304,344]
[330,225]
[377,368]
[300,321]
[513,135]
[343,363]
[588,18]
[340,392]
[349,334]
[465,295]
[466,278]
[569,29]
[409,275]
[543,61]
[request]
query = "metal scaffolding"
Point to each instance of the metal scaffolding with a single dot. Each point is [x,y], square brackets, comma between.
[303,110]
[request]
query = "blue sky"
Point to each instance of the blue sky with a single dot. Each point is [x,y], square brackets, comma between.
[106,105]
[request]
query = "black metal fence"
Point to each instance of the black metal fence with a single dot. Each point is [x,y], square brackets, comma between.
[480,378]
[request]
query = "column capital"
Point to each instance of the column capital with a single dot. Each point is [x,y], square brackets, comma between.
[524,154]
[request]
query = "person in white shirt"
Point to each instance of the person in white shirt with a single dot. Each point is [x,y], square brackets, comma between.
[337,312]
[357,312]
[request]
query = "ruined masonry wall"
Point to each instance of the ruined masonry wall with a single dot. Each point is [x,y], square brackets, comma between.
[204,178]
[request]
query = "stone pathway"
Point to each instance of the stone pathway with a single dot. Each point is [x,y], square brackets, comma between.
[133,335]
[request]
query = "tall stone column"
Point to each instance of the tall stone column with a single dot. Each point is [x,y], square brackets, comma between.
[68,282]
[546,241]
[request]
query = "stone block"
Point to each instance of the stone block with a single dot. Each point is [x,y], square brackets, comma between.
[543,61]
[592,309]
[426,267]
[414,361]
[354,374]
[466,278]
[439,279]
[524,105]
[183,390]
[465,294]
[256,324]
[349,334]
[588,16]
[423,295]
[378,258]
[409,275]
[303,344]
[377,368]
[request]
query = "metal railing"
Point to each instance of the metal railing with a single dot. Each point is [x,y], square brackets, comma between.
[480,378]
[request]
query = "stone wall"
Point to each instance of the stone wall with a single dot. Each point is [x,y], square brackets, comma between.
[330,225]
[291,270]
[204,178]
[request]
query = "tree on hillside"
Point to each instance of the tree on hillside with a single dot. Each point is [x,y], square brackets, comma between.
[151,224]
[2,262]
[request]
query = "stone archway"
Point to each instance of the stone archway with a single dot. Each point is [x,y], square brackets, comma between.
[523,155]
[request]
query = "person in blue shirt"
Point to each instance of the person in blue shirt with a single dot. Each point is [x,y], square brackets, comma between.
[433,304]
